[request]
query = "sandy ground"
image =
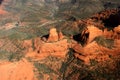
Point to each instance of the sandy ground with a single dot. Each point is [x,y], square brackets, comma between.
[22,70]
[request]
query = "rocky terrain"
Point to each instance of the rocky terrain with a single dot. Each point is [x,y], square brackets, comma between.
[59,40]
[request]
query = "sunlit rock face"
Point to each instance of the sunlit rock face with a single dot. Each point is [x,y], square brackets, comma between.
[53,35]
[93,32]
[56,45]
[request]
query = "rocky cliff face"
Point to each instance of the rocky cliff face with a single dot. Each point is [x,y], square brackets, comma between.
[93,54]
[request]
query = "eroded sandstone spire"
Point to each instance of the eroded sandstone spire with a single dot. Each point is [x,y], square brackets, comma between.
[53,35]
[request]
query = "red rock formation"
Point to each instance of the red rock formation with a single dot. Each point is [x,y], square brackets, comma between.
[117,32]
[108,34]
[92,50]
[60,35]
[37,42]
[94,32]
[117,44]
[44,49]
[78,49]
[112,34]
[117,29]
[53,35]
[57,48]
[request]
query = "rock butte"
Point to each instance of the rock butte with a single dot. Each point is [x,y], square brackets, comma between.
[93,32]
[56,45]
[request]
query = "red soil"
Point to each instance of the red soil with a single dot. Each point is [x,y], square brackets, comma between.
[22,70]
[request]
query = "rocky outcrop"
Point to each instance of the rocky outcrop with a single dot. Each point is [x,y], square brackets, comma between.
[112,34]
[78,49]
[60,35]
[93,32]
[53,35]
[94,51]
[117,32]
[101,45]
[108,34]
[58,49]
[99,49]
[117,29]
[56,45]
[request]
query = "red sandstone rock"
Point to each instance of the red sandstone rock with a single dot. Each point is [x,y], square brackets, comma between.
[94,32]
[92,51]
[117,29]
[117,32]
[61,36]
[117,44]
[44,49]
[78,48]
[85,35]
[53,35]
[56,48]
[108,34]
